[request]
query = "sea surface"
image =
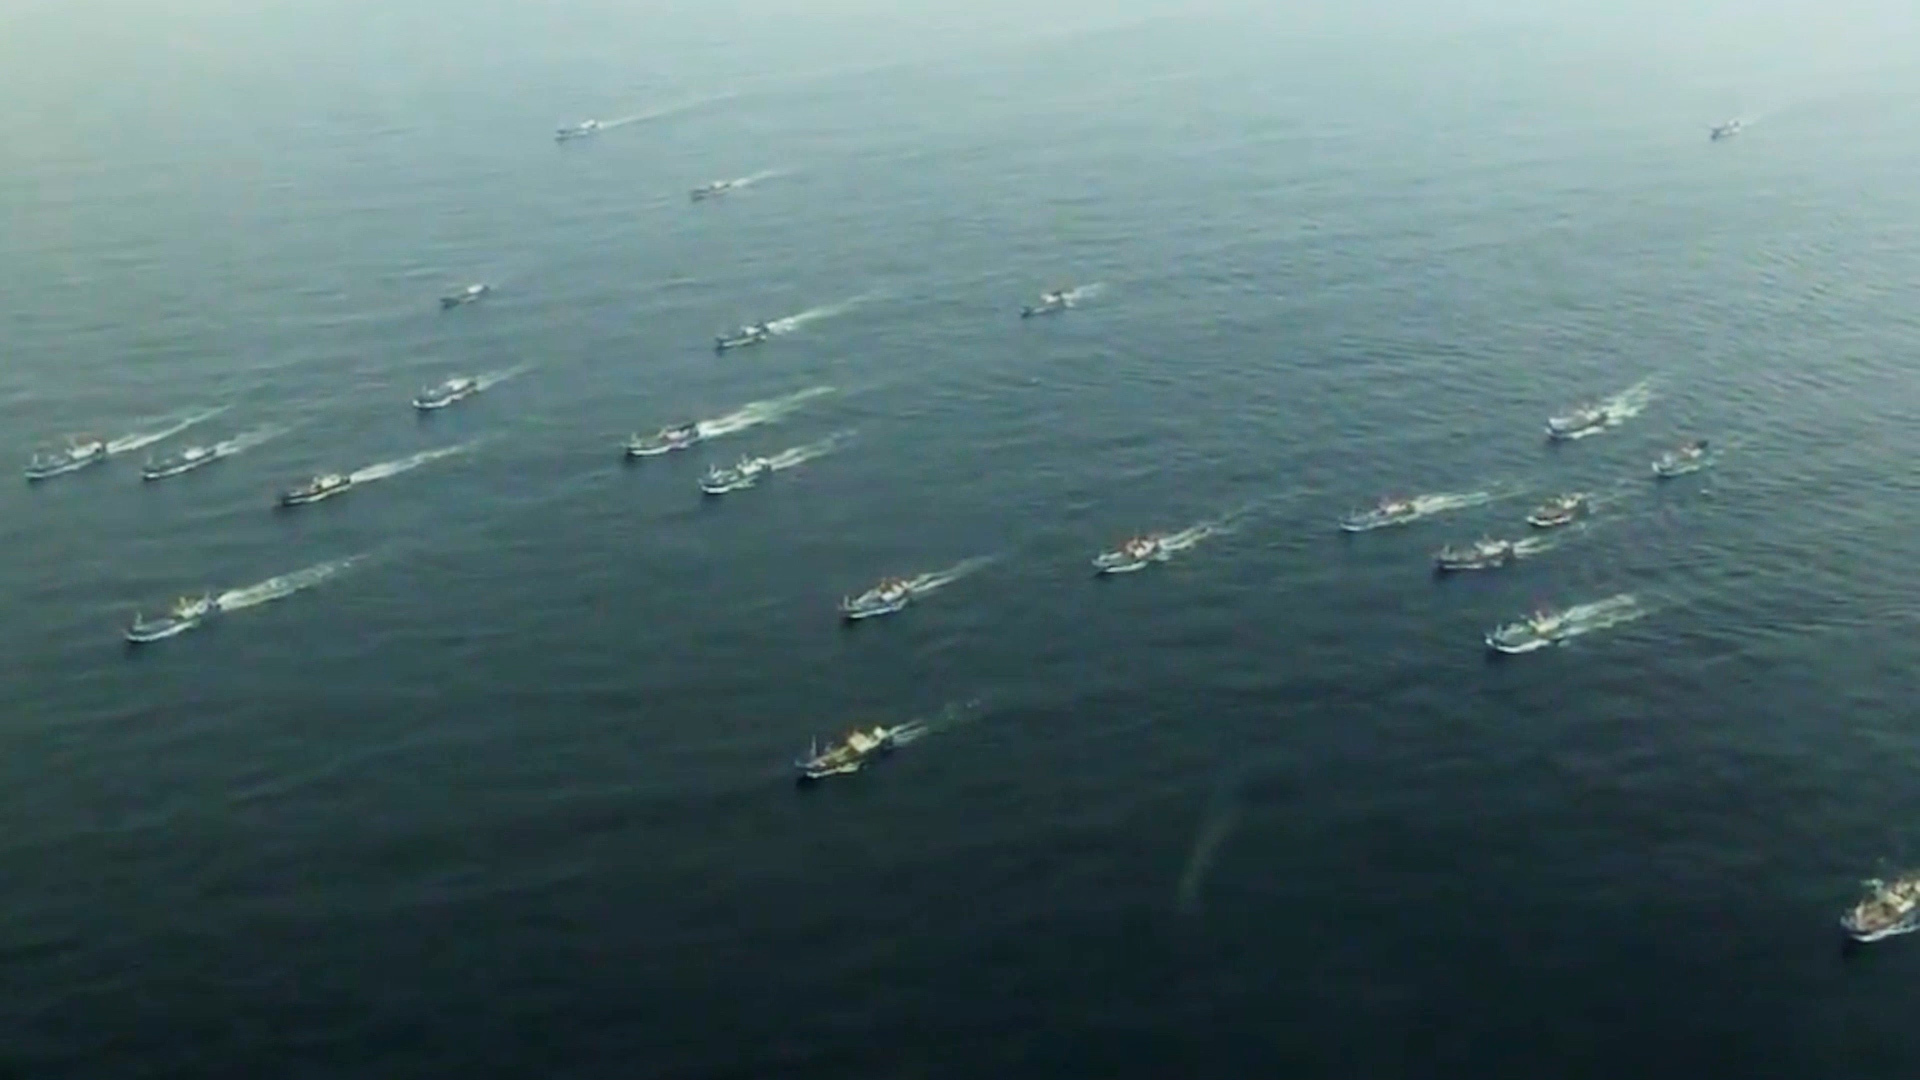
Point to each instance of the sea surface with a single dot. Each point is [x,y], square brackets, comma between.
[498,783]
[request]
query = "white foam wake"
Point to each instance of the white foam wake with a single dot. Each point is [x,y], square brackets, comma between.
[1620,408]
[247,440]
[145,439]
[666,111]
[759,412]
[1213,834]
[949,716]
[1086,292]
[1535,545]
[800,455]
[796,321]
[1589,618]
[275,588]
[400,465]
[939,579]
[1194,534]
[491,379]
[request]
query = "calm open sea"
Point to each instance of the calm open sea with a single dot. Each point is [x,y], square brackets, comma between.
[487,771]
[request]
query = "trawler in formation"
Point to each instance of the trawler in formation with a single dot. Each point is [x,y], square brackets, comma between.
[79,452]
[665,441]
[185,614]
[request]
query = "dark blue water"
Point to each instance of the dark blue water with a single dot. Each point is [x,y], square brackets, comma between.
[505,791]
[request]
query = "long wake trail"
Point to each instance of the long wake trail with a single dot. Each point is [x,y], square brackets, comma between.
[1620,408]
[939,579]
[399,465]
[794,322]
[285,585]
[666,111]
[247,440]
[950,716]
[1604,614]
[800,455]
[144,439]
[491,379]
[759,412]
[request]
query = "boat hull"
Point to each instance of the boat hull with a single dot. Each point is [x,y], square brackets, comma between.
[1542,521]
[726,488]
[1561,432]
[856,612]
[304,498]
[160,629]
[431,404]
[1451,566]
[36,474]
[1868,937]
[161,472]
[1668,471]
[1370,522]
[1513,644]
[655,449]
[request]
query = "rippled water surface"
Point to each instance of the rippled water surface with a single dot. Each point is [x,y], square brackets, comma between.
[485,771]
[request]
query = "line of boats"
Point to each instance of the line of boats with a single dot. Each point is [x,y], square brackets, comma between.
[80,451]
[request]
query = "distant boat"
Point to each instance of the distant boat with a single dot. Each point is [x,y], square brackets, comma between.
[439,397]
[665,441]
[887,597]
[80,452]
[185,614]
[1681,460]
[465,296]
[1560,510]
[1050,302]
[1724,131]
[320,487]
[186,460]
[750,334]
[850,755]
[713,190]
[578,131]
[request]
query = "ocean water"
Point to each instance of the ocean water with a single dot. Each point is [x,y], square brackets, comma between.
[503,789]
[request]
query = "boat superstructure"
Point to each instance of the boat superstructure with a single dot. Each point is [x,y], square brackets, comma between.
[742,474]
[1560,510]
[1133,555]
[1537,631]
[455,389]
[1388,511]
[750,334]
[465,296]
[323,486]
[185,614]
[79,452]
[849,755]
[665,441]
[1052,301]
[1686,458]
[1483,554]
[885,598]
[1888,908]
